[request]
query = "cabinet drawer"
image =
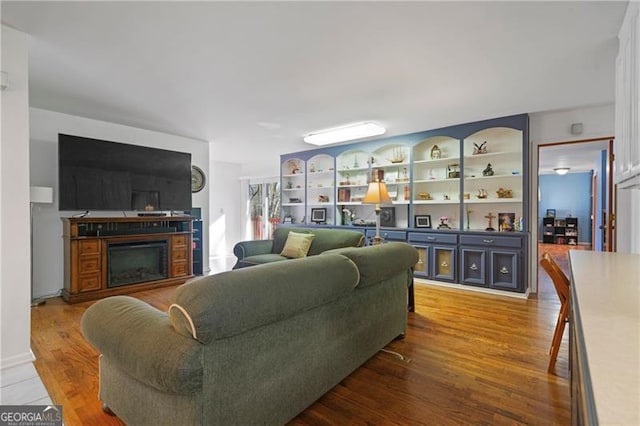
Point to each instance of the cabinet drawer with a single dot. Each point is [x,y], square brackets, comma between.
[89,282]
[179,240]
[491,241]
[179,254]
[388,235]
[89,247]
[420,237]
[89,264]
[179,269]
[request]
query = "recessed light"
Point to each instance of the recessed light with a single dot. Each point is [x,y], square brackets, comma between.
[343,134]
[562,170]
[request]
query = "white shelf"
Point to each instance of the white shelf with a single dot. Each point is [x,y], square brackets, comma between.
[325,172]
[349,203]
[354,169]
[321,187]
[436,202]
[390,165]
[292,189]
[492,154]
[293,175]
[329,203]
[293,204]
[352,186]
[493,177]
[439,160]
[493,201]
[436,180]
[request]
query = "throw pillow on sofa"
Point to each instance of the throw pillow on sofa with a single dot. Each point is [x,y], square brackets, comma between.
[297,245]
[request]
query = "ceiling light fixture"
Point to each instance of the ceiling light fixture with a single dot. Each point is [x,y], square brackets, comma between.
[342,134]
[561,170]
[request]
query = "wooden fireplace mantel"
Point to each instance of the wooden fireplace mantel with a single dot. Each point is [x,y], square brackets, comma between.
[86,260]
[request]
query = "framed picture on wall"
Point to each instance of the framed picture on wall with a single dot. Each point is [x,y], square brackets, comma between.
[422,221]
[551,212]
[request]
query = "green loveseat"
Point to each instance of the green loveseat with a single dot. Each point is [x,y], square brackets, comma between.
[257,252]
[251,346]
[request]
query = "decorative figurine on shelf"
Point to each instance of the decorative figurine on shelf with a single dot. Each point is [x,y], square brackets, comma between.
[294,168]
[504,193]
[445,197]
[444,223]
[480,149]
[289,185]
[425,196]
[355,162]
[482,193]
[436,153]
[312,168]
[490,216]
[348,216]
[323,199]
[488,171]
[397,156]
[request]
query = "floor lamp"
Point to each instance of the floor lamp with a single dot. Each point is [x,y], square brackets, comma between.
[38,195]
[377,194]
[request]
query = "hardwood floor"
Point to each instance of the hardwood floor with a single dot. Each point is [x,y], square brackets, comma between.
[474,359]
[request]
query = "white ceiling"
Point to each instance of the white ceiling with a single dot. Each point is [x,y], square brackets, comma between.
[581,157]
[254,77]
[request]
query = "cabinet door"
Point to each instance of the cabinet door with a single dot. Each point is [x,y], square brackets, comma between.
[444,263]
[422,267]
[472,268]
[504,271]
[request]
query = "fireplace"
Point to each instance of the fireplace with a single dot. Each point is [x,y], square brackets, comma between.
[137,262]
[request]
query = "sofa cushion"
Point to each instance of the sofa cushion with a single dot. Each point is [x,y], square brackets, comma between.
[374,263]
[324,238]
[259,259]
[297,245]
[233,302]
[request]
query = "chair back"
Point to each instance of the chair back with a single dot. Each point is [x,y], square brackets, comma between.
[560,280]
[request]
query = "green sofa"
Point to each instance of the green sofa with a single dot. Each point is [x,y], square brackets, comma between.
[251,346]
[257,252]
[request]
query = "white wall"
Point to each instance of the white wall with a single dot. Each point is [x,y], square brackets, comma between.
[226,222]
[44,129]
[555,126]
[15,303]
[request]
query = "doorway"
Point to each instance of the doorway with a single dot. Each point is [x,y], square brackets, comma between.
[264,208]
[575,201]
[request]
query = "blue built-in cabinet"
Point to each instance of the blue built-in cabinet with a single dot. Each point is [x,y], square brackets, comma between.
[449,187]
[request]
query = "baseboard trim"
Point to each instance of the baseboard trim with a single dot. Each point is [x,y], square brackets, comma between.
[16,360]
[461,287]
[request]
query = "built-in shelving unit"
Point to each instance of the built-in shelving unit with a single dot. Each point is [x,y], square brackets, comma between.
[466,179]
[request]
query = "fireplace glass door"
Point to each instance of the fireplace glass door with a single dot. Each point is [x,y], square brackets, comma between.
[137,262]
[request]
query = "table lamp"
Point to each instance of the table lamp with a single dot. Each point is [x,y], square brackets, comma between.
[377,194]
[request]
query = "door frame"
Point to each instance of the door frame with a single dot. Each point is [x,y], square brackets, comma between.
[610,199]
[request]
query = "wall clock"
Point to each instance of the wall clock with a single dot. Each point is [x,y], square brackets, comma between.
[198,179]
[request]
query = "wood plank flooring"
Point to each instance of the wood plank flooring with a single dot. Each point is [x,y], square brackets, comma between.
[474,359]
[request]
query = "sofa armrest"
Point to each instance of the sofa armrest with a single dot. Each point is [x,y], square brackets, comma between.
[251,248]
[140,340]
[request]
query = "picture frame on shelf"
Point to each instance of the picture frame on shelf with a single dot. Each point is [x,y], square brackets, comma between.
[551,212]
[388,217]
[506,222]
[422,221]
[319,215]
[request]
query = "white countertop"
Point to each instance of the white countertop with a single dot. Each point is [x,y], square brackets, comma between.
[607,291]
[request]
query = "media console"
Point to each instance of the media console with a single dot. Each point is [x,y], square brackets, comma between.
[111,256]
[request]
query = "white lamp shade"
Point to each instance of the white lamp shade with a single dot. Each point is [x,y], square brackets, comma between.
[377,194]
[41,194]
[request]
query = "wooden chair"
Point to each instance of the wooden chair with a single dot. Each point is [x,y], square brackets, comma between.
[561,284]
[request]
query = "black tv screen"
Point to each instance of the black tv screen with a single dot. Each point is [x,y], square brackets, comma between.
[103,175]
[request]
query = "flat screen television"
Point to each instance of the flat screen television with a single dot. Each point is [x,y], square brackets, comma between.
[102,175]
